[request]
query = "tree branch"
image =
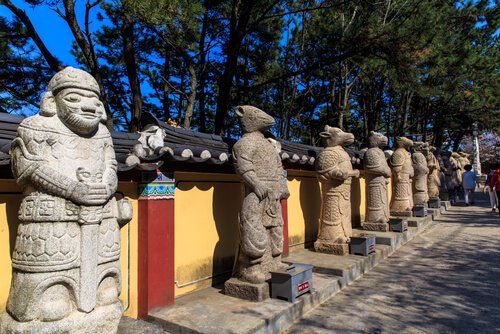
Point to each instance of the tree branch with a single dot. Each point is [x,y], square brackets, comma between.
[53,62]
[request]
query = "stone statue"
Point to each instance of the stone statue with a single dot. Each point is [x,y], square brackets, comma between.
[402,173]
[334,171]
[434,177]
[66,270]
[455,178]
[419,162]
[463,159]
[460,167]
[260,221]
[377,175]
[443,170]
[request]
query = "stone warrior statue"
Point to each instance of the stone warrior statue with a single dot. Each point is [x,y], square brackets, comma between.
[434,177]
[421,171]
[66,271]
[260,221]
[334,171]
[377,174]
[443,170]
[402,173]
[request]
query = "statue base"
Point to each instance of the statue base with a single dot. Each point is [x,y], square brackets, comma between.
[402,213]
[244,290]
[384,227]
[103,319]
[331,248]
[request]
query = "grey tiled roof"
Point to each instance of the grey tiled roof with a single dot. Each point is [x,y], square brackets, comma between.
[181,145]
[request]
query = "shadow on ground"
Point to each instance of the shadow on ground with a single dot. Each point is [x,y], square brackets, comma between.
[447,280]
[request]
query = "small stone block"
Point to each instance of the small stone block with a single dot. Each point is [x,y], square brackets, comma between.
[362,244]
[420,211]
[384,227]
[398,224]
[330,248]
[434,203]
[446,205]
[245,290]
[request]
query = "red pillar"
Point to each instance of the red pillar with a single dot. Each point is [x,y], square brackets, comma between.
[156,242]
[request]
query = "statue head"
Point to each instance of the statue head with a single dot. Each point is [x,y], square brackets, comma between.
[377,139]
[335,136]
[253,119]
[403,142]
[73,95]
[463,154]
[455,155]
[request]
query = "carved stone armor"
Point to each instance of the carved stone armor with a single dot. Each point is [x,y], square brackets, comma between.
[260,220]
[402,174]
[421,171]
[434,177]
[334,171]
[377,174]
[66,273]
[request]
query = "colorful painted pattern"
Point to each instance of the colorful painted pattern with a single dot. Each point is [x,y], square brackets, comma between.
[160,186]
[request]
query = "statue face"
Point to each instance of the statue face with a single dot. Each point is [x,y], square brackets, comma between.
[79,109]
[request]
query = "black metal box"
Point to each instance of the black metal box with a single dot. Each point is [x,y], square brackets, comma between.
[362,244]
[293,282]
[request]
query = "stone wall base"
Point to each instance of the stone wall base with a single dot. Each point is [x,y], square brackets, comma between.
[245,290]
[103,319]
[331,248]
[384,227]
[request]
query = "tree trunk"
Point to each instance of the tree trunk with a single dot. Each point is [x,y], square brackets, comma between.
[240,15]
[53,62]
[131,66]
[203,73]
[166,87]
[88,51]
[191,99]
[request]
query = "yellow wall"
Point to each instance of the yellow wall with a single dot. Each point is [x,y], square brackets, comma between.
[303,208]
[10,198]
[206,228]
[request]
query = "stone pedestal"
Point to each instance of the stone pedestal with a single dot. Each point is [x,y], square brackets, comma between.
[331,248]
[103,319]
[402,213]
[384,227]
[446,205]
[245,290]
[434,203]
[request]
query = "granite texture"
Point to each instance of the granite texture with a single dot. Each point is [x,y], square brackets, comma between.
[260,221]
[334,171]
[402,174]
[377,175]
[434,177]
[421,171]
[66,271]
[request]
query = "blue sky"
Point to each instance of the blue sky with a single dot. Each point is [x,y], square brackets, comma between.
[52,29]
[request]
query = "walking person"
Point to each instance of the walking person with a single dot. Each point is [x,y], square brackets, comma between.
[495,183]
[469,184]
[491,192]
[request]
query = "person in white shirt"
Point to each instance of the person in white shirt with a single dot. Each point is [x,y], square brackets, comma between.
[469,184]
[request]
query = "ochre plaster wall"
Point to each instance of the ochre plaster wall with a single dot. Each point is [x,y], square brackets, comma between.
[10,198]
[303,208]
[206,228]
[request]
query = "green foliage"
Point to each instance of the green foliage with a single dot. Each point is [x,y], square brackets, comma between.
[420,67]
